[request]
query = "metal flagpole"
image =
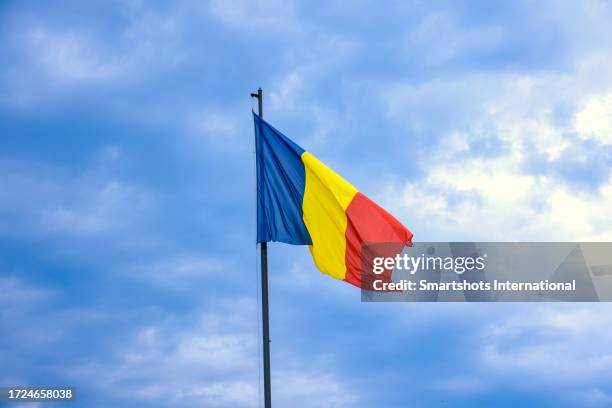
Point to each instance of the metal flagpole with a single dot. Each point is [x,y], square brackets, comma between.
[264,296]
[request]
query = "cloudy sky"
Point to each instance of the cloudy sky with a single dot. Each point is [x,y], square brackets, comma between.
[127,202]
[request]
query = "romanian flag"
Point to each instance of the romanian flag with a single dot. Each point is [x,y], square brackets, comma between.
[301,201]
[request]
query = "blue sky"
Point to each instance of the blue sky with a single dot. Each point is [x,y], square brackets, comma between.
[127,255]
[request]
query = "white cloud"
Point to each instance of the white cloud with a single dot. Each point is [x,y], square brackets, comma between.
[219,130]
[218,352]
[496,196]
[287,90]
[592,397]
[204,359]
[54,60]
[460,385]
[496,202]
[446,38]
[550,349]
[306,389]
[558,344]
[70,56]
[18,298]
[110,206]
[179,271]
[223,394]
[595,119]
[269,16]
[209,358]
[46,200]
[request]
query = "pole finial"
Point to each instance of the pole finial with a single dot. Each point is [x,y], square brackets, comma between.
[259,96]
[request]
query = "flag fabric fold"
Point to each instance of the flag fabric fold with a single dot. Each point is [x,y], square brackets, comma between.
[301,201]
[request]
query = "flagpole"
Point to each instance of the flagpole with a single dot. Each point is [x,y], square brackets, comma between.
[264,296]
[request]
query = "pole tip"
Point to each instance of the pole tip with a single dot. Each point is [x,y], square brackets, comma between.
[258,94]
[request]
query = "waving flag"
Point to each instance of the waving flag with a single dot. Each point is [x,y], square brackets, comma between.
[301,201]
